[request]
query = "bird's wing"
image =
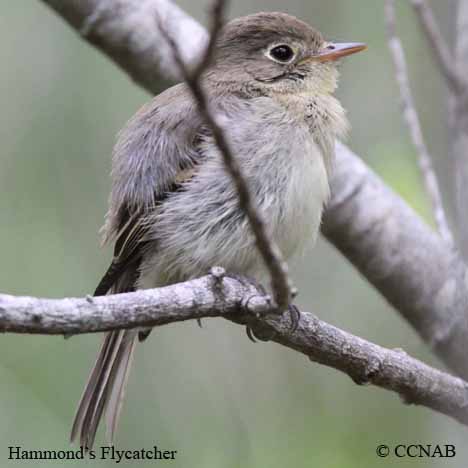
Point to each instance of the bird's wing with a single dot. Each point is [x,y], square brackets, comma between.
[130,243]
[155,154]
[122,272]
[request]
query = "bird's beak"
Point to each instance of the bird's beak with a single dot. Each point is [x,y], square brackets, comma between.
[335,50]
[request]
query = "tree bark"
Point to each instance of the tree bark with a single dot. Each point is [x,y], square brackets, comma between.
[241,302]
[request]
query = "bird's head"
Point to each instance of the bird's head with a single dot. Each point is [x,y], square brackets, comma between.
[279,52]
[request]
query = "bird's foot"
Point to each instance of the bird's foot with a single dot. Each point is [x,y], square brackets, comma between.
[265,333]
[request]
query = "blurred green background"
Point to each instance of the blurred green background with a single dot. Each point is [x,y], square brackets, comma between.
[209,393]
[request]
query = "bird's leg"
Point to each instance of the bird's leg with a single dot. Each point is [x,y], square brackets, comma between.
[248,281]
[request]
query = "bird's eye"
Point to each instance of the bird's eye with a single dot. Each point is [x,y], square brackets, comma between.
[282,53]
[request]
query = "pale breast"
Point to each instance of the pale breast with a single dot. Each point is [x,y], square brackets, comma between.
[305,193]
[288,171]
[202,225]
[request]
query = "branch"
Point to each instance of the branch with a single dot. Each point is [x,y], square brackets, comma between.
[270,252]
[413,123]
[420,275]
[447,64]
[125,31]
[372,226]
[459,127]
[452,66]
[218,295]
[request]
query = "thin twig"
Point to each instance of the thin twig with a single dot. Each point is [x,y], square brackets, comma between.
[280,282]
[413,123]
[220,296]
[458,119]
[440,49]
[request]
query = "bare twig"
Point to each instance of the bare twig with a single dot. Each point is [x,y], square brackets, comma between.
[280,282]
[458,117]
[452,67]
[414,126]
[364,362]
[447,63]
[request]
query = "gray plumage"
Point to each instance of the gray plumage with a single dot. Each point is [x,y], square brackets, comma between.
[173,210]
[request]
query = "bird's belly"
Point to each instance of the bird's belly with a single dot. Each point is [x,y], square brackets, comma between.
[300,204]
[203,225]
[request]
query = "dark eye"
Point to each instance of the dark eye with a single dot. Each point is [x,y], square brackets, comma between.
[282,53]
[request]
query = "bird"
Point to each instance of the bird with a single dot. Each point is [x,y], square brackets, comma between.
[173,208]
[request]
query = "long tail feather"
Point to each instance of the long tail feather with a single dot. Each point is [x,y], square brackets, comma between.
[105,388]
[115,401]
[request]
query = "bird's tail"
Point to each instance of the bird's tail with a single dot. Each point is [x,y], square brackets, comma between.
[105,388]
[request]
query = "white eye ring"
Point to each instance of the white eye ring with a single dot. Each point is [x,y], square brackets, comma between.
[281,53]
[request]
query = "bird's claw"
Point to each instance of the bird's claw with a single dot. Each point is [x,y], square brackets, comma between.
[250,334]
[295,315]
[259,335]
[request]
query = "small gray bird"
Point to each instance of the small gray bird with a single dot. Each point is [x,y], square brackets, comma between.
[173,210]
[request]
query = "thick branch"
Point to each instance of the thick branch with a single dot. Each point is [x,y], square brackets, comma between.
[367,222]
[222,296]
[420,275]
[127,32]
